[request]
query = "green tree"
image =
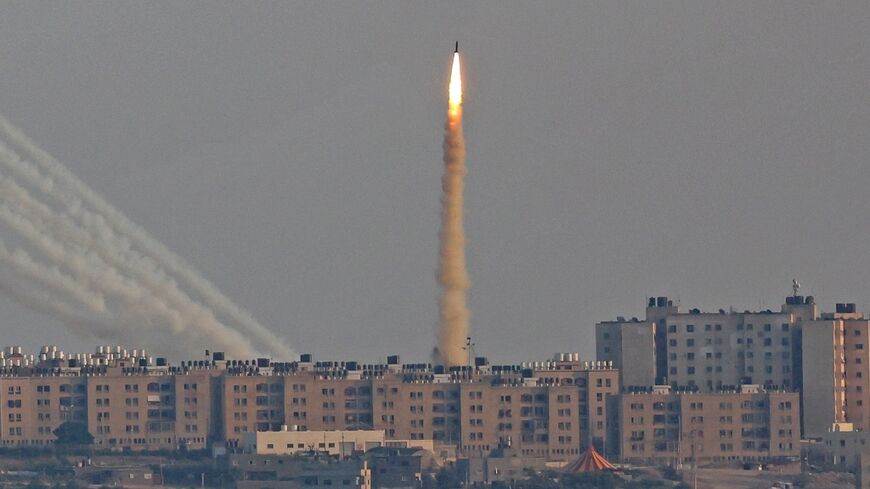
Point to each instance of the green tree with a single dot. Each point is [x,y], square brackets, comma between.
[71,433]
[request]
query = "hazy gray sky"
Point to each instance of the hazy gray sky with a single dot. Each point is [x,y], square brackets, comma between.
[710,151]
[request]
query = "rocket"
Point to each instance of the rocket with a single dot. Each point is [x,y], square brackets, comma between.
[457,47]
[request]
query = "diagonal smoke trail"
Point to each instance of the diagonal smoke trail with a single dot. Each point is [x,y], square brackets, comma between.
[96,263]
[104,252]
[453,274]
[92,282]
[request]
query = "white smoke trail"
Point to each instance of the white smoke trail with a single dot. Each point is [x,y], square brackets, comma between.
[453,274]
[104,253]
[88,273]
[97,264]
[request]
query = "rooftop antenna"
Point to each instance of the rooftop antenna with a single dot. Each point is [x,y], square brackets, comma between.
[469,348]
[795,286]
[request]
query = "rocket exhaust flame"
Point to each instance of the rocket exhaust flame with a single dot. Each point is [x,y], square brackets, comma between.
[105,278]
[454,91]
[452,274]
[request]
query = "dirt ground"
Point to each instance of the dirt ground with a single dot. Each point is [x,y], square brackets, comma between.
[764,479]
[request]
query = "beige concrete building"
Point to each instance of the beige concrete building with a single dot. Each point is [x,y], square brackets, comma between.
[250,403]
[595,381]
[836,371]
[342,443]
[549,409]
[134,411]
[33,407]
[669,427]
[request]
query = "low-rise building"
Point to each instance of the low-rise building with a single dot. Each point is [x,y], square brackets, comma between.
[840,448]
[504,465]
[400,468]
[299,471]
[342,443]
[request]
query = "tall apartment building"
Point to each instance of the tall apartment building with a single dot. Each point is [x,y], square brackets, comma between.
[836,371]
[715,351]
[708,351]
[630,347]
[665,427]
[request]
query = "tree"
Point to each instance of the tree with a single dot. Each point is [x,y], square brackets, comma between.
[71,433]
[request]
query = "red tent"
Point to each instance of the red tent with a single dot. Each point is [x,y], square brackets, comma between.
[589,461]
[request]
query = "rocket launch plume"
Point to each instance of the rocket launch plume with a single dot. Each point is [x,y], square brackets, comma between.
[452,273]
[82,261]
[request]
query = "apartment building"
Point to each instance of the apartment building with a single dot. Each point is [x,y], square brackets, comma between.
[836,371]
[665,427]
[712,351]
[250,403]
[630,347]
[550,409]
[594,382]
[132,410]
[33,407]
[708,351]
[417,406]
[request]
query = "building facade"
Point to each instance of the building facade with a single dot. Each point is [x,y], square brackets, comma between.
[666,427]
[550,409]
[708,352]
[836,371]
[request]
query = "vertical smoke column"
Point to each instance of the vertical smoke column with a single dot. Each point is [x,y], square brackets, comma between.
[452,273]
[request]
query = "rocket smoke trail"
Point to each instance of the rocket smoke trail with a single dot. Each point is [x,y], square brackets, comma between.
[105,278]
[452,272]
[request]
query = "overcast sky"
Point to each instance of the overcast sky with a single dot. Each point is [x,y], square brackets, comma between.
[708,151]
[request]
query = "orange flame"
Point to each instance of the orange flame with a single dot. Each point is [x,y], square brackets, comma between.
[455,90]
